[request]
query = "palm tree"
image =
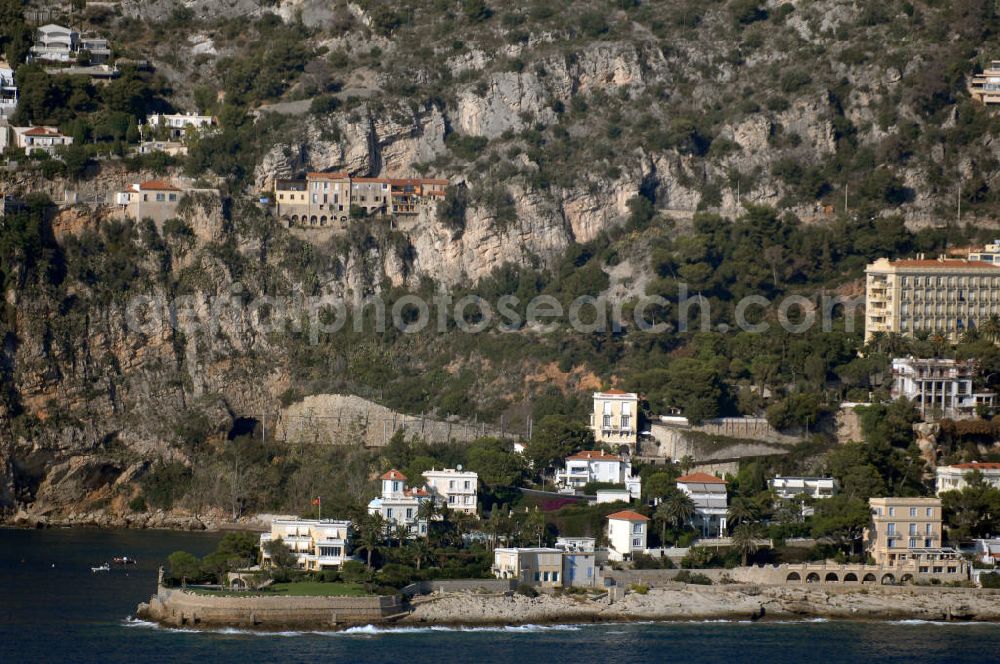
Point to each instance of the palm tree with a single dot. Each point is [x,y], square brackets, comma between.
[741,512]
[420,550]
[371,534]
[401,534]
[744,541]
[676,509]
[990,328]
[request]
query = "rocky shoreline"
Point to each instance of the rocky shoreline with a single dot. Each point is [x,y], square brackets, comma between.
[157,520]
[688,602]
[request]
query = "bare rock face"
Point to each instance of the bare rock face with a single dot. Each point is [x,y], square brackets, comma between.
[927,433]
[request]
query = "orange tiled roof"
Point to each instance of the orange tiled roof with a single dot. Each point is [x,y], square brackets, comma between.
[41,131]
[157,185]
[979,465]
[595,455]
[328,176]
[703,478]
[394,475]
[614,390]
[628,515]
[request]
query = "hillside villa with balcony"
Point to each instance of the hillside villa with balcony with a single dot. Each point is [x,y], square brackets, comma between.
[324,200]
[985,87]
[956,477]
[942,296]
[597,466]
[56,43]
[8,91]
[178,124]
[615,418]
[399,504]
[811,487]
[317,544]
[40,139]
[455,488]
[711,502]
[938,387]
[155,199]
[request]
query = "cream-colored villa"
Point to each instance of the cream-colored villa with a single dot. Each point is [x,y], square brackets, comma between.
[318,544]
[615,419]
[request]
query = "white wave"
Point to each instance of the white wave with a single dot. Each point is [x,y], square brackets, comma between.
[947,623]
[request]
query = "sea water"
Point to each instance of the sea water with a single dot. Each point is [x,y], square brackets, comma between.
[53,608]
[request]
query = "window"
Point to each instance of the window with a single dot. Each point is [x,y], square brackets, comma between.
[160,198]
[913,542]
[927,543]
[927,530]
[409,512]
[636,542]
[625,421]
[451,484]
[545,576]
[637,528]
[892,511]
[913,511]
[891,529]
[538,576]
[555,577]
[468,485]
[930,512]
[388,513]
[913,529]
[451,500]
[607,421]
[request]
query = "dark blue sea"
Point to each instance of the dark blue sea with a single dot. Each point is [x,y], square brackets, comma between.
[52,608]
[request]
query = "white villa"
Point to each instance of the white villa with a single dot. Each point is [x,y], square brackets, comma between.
[956,477]
[813,487]
[401,505]
[8,91]
[597,466]
[178,123]
[615,419]
[455,488]
[711,502]
[40,139]
[627,531]
[938,387]
[319,544]
[55,43]
[539,566]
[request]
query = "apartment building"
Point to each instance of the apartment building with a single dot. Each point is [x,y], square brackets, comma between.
[939,296]
[985,87]
[455,488]
[327,199]
[794,487]
[615,418]
[938,387]
[317,544]
[711,502]
[902,528]
[597,466]
[399,504]
[627,532]
[40,139]
[956,477]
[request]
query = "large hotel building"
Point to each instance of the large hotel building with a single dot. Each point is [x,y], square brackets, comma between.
[943,296]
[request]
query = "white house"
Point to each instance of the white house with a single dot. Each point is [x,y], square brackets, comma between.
[8,91]
[455,488]
[987,551]
[540,566]
[55,43]
[318,544]
[711,502]
[597,466]
[399,504]
[576,543]
[178,123]
[627,531]
[956,477]
[813,487]
[40,139]
[96,46]
[938,387]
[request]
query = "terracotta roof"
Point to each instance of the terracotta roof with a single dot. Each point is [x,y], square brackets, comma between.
[979,465]
[377,180]
[614,390]
[416,492]
[597,455]
[42,131]
[628,515]
[703,478]
[394,475]
[950,263]
[328,176]
[157,185]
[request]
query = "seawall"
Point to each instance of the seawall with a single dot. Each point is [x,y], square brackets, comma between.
[177,608]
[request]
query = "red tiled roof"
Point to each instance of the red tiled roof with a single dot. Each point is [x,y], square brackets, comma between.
[979,465]
[597,455]
[614,390]
[394,475]
[703,478]
[628,515]
[950,263]
[157,185]
[41,131]
[416,492]
[328,176]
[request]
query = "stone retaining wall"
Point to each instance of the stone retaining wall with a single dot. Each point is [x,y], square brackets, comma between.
[184,608]
[459,585]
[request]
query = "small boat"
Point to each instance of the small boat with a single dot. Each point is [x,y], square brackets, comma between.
[123,560]
[102,568]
